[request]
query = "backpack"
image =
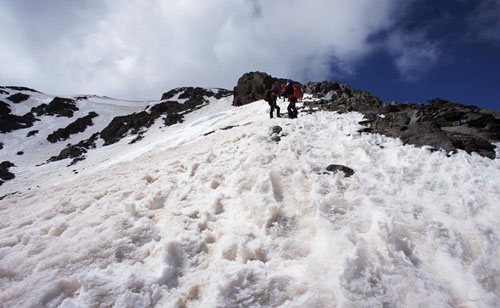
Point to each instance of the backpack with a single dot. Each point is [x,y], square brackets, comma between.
[267,96]
[289,89]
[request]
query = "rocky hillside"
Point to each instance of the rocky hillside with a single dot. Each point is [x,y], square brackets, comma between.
[439,124]
[38,129]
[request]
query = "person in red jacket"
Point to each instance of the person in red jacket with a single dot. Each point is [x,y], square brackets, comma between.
[297,91]
[237,101]
[283,90]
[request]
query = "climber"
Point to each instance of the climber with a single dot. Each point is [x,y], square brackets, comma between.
[275,89]
[292,99]
[237,101]
[270,97]
[297,91]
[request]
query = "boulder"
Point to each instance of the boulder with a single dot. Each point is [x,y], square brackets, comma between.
[348,172]
[251,86]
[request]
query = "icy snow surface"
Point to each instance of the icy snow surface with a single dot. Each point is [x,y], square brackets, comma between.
[235,219]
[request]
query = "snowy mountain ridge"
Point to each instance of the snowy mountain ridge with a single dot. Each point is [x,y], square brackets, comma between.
[222,209]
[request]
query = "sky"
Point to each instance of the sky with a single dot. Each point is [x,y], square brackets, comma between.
[403,50]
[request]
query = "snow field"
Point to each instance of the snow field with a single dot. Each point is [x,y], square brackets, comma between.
[234,219]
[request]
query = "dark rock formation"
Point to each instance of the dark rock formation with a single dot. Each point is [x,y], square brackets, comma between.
[136,123]
[10,122]
[251,86]
[1,145]
[20,153]
[61,107]
[20,89]
[440,124]
[78,126]
[336,168]
[5,175]
[18,97]
[4,92]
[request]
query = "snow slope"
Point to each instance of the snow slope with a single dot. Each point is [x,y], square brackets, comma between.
[185,218]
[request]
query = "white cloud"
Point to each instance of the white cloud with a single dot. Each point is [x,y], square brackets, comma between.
[414,55]
[139,49]
[484,21]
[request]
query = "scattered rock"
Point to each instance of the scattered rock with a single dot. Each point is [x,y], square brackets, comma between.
[275,133]
[5,175]
[276,129]
[78,126]
[2,197]
[61,107]
[1,145]
[229,127]
[336,168]
[4,92]
[32,133]
[77,150]
[18,98]
[20,153]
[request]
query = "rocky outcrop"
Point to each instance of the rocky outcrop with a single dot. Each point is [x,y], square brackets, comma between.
[10,122]
[195,93]
[440,124]
[78,126]
[137,123]
[61,107]
[18,98]
[5,175]
[251,86]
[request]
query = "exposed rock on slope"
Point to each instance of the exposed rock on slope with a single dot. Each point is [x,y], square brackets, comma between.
[18,98]
[195,94]
[137,123]
[5,175]
[61,107]
[75,127]
[10,122]
[440,124]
